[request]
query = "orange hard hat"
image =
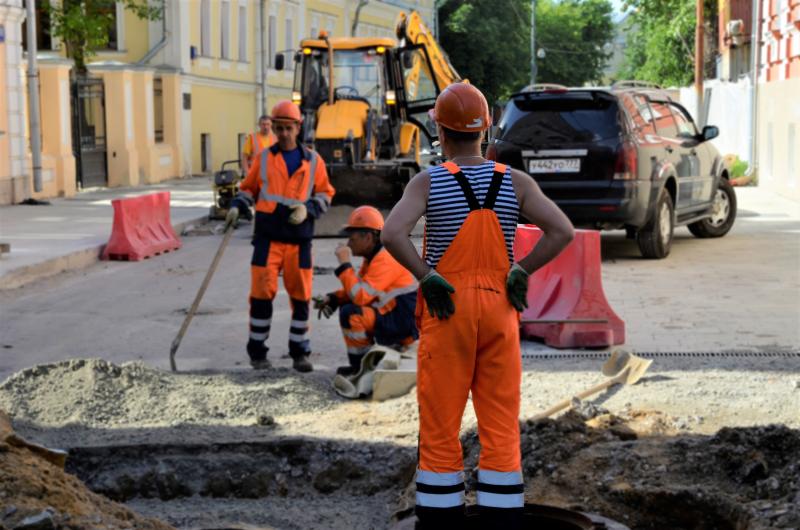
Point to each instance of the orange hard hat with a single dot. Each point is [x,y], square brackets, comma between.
[285,110]
[365,217]
[461,107]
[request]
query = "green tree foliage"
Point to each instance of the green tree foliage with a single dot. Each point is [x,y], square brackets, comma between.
[573,34]
[660,45]
[488,41]
[83,25]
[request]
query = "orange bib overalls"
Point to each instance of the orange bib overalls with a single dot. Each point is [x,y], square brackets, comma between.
[476,350]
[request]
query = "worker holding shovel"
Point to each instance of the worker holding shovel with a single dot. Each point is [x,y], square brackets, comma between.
[289,184]
[468,314]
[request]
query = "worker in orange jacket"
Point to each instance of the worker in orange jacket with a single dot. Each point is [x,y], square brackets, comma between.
[289,184]
[256,142]
[376,305]
[472,292]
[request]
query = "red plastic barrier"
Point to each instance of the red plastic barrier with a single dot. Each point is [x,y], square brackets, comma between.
[569,288]
[142,228]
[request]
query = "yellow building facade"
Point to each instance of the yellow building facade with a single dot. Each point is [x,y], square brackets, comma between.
[177,96]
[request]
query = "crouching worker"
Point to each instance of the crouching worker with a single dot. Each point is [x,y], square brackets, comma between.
[376,305]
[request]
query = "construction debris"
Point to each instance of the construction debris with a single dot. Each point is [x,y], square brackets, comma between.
[36,493]
[227,450]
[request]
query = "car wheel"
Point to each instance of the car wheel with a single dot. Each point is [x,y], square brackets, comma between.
[655,238]
[723,213]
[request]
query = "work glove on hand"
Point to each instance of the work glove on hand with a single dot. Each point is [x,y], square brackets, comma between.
[299,213]
[517,287]
[231,220]
[326,305]
[436,292]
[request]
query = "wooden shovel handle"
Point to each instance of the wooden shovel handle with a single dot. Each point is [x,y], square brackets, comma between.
[567,403]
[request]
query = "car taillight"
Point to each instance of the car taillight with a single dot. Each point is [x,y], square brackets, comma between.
[491,152]
[625,167]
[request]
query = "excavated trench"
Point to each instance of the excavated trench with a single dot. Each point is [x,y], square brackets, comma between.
[738,479]
[208,450]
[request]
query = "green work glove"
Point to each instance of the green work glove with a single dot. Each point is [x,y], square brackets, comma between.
[517,287]
[232,218]
[437,293]
[326,305]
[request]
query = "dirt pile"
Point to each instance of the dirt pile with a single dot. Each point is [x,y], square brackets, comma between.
[93,402]
[636,470]
[36,494]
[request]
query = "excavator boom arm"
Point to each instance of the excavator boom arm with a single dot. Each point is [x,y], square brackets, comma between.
[412,30]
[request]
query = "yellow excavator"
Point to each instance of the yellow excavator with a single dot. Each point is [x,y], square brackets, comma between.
[365,103]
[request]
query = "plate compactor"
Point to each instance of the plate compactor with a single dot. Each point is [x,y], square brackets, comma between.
[226,186]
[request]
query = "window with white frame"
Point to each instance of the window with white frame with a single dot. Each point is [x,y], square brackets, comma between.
[273,39]
[288,42]
[225,30]
[205,28]
[243,33]
[314,26]
[330,25]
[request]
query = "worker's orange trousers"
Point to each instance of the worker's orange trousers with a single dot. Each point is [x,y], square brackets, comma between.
[476,350]
[270,258]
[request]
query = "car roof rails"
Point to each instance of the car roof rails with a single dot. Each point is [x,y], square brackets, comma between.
[636,84]
[543,87]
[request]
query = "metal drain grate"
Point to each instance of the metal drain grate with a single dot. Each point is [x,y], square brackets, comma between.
[662,354]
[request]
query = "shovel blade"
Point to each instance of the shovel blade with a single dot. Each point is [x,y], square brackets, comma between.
[624,364]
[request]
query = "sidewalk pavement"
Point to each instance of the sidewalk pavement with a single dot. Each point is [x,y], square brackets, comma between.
[71,233]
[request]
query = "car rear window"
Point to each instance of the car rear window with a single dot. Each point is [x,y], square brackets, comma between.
[570,117]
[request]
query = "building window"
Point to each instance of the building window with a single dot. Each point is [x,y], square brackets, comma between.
[158,110]
[273,41]
[289,40]
[225,30]
[243,33]
[241,138]
[314,26]
[43,39]
[205,28]
[205,152]
[330,25]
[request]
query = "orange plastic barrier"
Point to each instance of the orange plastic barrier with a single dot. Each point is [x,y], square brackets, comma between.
[142,228]
[566,301]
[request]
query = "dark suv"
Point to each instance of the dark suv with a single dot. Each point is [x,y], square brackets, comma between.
[621,157]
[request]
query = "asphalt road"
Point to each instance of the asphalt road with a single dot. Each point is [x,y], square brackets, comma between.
[739,292]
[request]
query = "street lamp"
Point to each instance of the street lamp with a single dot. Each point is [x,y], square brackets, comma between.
[533,42]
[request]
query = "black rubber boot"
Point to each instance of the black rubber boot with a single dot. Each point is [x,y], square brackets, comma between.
[499,518]
[301,363]
[440,518]
[258,355]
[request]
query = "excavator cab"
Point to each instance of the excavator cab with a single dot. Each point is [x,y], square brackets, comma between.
[365,103]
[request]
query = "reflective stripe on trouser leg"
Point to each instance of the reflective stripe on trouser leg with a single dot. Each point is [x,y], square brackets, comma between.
[260,319]
[500,489]
[440,500]
[298,329]
[358,326]
[440,490]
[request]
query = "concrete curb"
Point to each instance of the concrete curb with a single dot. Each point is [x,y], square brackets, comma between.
[81,259]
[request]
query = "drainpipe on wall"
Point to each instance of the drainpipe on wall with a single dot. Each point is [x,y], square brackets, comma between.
[33,97]
[754,49]
[261,71]
[161,43]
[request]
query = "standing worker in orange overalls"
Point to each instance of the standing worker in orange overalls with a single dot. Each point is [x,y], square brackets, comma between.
[289,184]
[376,304]
[256,142]
[472,292]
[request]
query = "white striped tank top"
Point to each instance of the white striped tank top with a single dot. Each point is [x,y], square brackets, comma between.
[447,207]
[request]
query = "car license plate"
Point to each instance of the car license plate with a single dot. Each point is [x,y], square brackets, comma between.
[554,165]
